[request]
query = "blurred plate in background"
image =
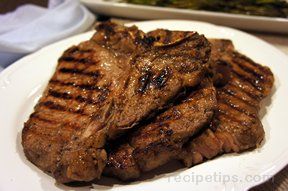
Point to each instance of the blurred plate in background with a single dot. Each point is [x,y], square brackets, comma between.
[255,23]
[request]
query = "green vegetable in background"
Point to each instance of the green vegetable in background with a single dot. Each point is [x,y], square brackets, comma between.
[271,8]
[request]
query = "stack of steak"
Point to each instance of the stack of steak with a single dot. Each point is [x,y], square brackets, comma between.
[126,102]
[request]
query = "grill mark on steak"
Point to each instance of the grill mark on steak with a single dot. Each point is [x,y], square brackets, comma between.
[242,85]
[51,122]
[251,71]
[144,81]
[160,80]
[42,119]
[87,61]
[235,105]
[249,65]
[231,117]
[64,118]
[74,71]
[234,94]
[61,95]
[161,140]
[67,96]
[79,86]
[233,129]
[54,106]
[254,82]
[120,54]
[75,49]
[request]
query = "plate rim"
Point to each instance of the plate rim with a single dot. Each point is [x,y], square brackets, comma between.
[16,65]
[224,14]
[104,7]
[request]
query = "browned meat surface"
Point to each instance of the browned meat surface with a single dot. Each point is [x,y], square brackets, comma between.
[236,126]
[241,85]
[103,87]
[160,141]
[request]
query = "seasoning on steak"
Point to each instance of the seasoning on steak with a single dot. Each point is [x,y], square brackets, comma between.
[241,85]
[160,141]
[101,88]
[236,126]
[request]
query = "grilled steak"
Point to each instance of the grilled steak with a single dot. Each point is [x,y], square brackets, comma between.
[241,85]
[101,88]
[160,141]
[236,127]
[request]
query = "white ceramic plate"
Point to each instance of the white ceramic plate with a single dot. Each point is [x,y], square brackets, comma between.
[22,83]
[256,23]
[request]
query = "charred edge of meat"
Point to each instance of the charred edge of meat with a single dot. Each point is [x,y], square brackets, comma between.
[160,80]
[108,27]
[75,49]
[166,37]
[144,81]
[144,40]
[157,81]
